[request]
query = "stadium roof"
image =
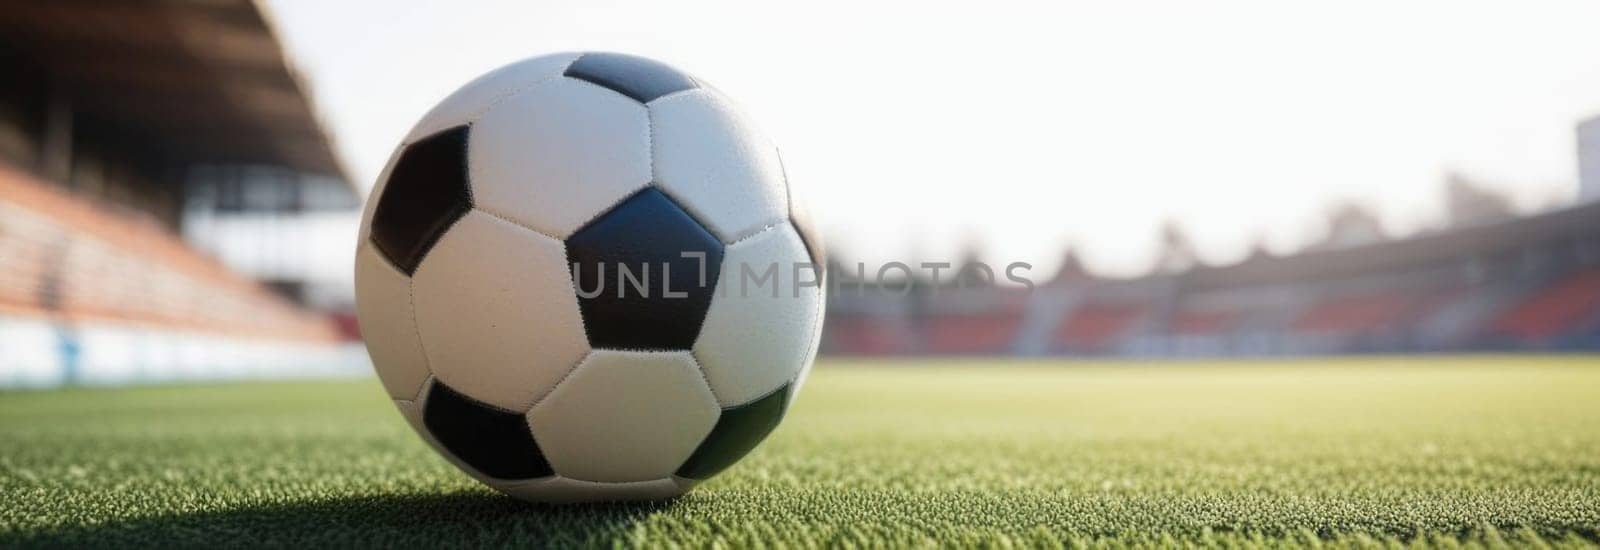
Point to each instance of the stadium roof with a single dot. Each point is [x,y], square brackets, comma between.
[207,77]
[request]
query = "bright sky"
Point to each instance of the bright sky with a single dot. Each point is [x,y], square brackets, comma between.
[918,128]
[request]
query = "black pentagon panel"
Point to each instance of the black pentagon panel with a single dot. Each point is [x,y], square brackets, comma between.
[800,218]
[426,193]
[636,77]
[494,441]
[636,289]
[738,430]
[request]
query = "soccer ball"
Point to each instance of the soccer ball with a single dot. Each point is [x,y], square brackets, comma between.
[585,277]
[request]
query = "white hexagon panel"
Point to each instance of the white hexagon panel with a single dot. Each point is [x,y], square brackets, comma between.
[716,163]
[553,156]
[625,416]
[388,325]
[760,330]
[497,312]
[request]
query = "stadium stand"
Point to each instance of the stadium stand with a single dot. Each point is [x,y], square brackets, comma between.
[866,335]
[109,111]
[1094,328]
[1357,314]
[67,257]
[869,322]
[968,321]
[1503,284]
[1564,307]
[1191,322]
[964,334]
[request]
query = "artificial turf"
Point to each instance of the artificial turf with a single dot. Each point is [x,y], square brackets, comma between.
[1476,451]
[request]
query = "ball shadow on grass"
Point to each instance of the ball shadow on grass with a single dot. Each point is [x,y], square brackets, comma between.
[389,521]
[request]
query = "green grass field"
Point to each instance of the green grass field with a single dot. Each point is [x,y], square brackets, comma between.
[1432,451]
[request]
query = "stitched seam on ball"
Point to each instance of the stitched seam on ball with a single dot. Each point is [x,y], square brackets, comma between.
[609,207]
[480,402]
[417,399]
[816,338]
[427,436]
[814,334]
[754,234]
[590,481]
[382,257]
[558,478]
[416,328]
[782,216]
[570,370]
[504,218]
[698,87]
[583,325]
[583,329]
[649,147]
[508,94]
[475,117]
[504,95]
[769,393]
[650,139]
[703,218]
[700,217]
[702,371]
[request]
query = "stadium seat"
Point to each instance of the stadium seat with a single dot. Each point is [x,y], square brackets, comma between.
[1092,328]
[71,258]
[990,333]
[1565,306]
[865,335]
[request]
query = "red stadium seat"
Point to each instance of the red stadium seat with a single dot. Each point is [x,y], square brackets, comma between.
[1354,314]
[864,335]
[1204,322]
[1092,328]
[1554,310]
[990,333]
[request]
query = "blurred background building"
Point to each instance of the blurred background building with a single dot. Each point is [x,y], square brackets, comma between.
[171,208]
